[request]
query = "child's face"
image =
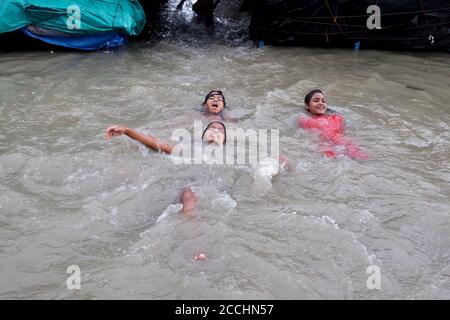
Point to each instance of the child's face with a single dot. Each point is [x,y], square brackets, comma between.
[215,134]
[214,104]
[317,105]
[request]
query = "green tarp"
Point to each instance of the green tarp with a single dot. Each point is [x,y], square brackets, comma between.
[79,16]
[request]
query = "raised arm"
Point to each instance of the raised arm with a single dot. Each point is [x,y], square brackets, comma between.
[149,141]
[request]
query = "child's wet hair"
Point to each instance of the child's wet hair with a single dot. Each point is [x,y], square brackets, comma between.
[310,95]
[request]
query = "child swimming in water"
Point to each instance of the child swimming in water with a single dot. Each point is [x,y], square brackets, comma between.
[214,133]
[213,108]
[329,124]
[214,105]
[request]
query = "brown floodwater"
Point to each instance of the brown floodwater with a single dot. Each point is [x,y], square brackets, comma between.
[69,197]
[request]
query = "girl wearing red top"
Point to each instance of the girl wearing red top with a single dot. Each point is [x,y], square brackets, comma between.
[329,124]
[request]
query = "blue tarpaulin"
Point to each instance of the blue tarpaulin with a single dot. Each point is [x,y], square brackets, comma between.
[105,40]
[81,24]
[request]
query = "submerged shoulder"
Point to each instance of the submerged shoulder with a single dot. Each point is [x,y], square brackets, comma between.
[332,112]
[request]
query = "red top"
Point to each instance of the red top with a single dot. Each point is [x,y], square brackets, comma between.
[331,127]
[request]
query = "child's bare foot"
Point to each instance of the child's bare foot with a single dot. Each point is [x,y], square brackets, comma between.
[199,256]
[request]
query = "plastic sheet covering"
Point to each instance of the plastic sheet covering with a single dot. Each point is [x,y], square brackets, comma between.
[88,42]
[93,16]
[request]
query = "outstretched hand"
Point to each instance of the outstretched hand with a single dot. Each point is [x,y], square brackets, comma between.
[115,131]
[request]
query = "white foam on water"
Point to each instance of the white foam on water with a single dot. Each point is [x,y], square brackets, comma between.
[113,219]
[330,221]
[171,209]
[371,258]
[263,172]
[366,217]
[267,167]
[224,201]
[302,166]
[327,220]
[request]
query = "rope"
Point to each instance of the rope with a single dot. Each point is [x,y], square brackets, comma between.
[365,15]
[364,26]
[335,20]
[333,23]
[416,27]
[430,38]
[305,20]
[348,38]
[349,32]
